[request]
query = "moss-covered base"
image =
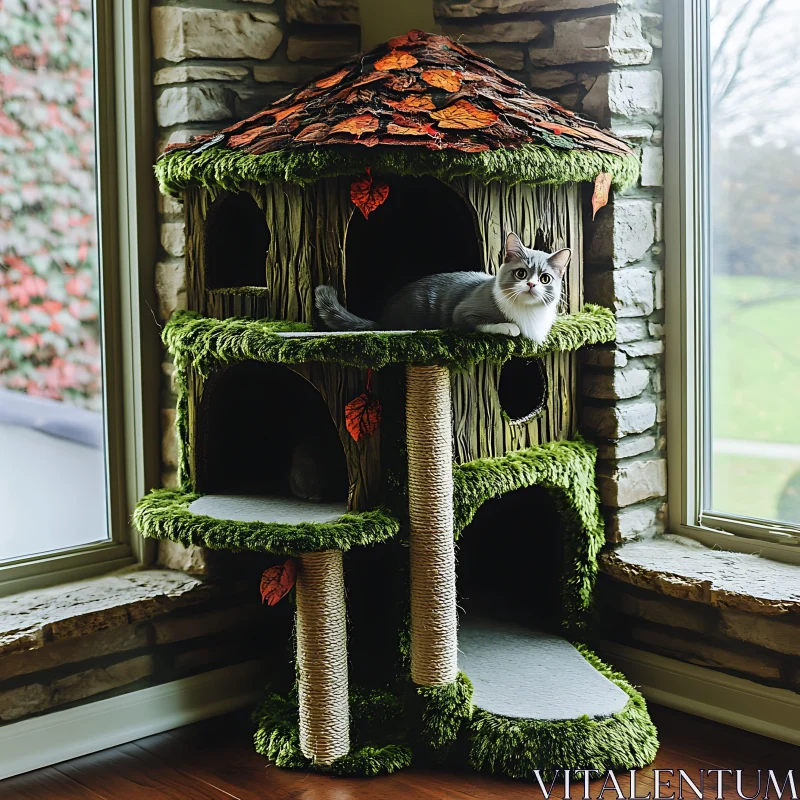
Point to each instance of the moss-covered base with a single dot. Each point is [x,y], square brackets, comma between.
[439,723]
[529,163]
[375,716]
[517,747]
[165,514]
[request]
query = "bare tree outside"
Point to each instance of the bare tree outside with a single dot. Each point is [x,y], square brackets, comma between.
[754,280]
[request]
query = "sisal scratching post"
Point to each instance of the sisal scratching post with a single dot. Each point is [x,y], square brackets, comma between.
[434,640]
[322,657]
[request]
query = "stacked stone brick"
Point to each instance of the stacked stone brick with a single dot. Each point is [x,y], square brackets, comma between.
[213,65]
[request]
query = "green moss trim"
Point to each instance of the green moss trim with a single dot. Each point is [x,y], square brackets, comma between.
[445,711]
[529,163]
[566,470]
[374,715]
[164,514]
[517,747]
[207,344]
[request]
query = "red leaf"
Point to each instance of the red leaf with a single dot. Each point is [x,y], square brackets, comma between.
[362,415]
[277,581]
[462,114]
[367,194]
[332,80]
[602,183]
[359,125]
[446,79]
[413,103]
[395,59]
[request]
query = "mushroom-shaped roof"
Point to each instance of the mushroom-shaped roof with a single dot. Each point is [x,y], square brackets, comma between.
[418,104]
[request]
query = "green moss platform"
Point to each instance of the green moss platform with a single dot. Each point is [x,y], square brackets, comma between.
[207,344]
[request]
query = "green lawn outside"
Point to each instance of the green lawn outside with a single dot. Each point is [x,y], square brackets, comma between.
[755,393]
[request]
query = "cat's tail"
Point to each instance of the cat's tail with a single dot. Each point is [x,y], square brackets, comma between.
[335,316]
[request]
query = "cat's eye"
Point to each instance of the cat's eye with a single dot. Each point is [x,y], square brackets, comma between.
[521,274]
[545,279]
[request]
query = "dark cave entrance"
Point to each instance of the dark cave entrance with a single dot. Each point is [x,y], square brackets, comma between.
[424,227]
[236,243]
[255,420]
[522,389]
[510,561]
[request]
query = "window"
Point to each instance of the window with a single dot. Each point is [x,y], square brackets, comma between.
[733,271]
[71,378]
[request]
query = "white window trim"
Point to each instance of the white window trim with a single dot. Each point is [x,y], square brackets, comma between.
[685,88]
[126,220]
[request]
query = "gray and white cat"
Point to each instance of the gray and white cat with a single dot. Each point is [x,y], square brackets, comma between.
[521,299]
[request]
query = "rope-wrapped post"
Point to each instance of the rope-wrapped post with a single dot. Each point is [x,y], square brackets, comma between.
[434,638]
[322,657]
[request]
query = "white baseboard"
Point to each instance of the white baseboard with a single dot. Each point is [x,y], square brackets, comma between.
[61,735]
[710,694]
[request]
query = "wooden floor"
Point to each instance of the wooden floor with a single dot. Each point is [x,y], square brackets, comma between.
[214,760]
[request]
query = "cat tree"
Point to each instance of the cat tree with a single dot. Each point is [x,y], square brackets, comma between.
[416,157]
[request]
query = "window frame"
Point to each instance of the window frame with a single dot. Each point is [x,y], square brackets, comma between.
[127,248]
[688,247]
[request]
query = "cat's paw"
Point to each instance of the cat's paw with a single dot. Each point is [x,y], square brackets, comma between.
[506,328]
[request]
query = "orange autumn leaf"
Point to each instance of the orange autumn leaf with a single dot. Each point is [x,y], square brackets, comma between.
[371,77]
[464,116]
[395,59]
[412,37]
[362,415]
[409,127]
[559,129]
[277,581]
[313,133]
[447,79]
[367,194]
[359,125]
[414,102]
[602,184]
[399,41]
[286,112]
[332,80]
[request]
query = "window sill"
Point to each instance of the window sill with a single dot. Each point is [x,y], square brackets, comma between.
[31,619]
[682,568]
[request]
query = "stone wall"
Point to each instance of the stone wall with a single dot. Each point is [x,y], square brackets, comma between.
[102,637]
[603,59]
[215,63]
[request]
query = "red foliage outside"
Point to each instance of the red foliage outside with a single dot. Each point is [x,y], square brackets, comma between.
[49,298]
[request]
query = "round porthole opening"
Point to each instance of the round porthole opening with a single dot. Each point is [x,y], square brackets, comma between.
[522,389]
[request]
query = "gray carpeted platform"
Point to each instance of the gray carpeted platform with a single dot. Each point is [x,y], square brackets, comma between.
[522,673]
[247,508]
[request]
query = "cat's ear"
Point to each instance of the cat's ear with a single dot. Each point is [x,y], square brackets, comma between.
[559,260]
[515,250]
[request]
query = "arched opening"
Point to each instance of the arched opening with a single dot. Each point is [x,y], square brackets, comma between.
[511,561]
[424,227]
[522,389]
[237,239]
[264,430]
[512,572]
